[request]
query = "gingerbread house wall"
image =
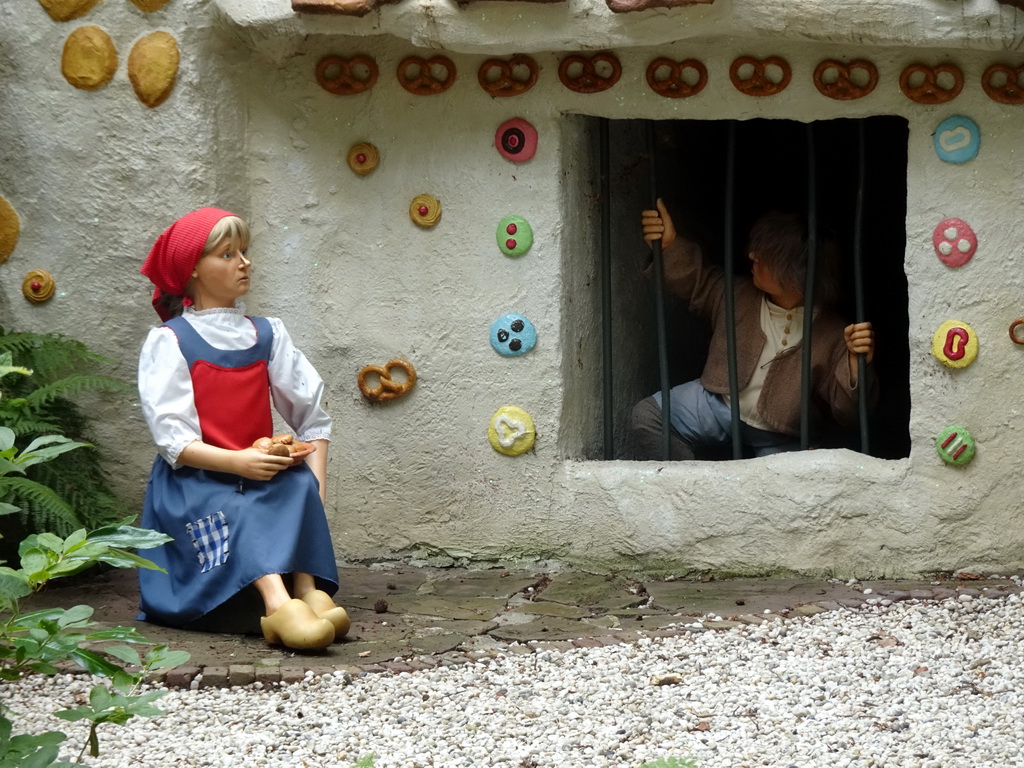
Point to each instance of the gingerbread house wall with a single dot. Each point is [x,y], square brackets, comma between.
[94,176]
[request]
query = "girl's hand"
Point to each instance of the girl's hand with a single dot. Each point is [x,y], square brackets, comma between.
[254,464]
[657,225]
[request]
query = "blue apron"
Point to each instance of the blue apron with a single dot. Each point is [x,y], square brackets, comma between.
[228,531]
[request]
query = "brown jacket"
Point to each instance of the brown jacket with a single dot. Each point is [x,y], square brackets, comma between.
[702,285]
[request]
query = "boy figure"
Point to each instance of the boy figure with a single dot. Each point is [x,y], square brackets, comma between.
[769,331]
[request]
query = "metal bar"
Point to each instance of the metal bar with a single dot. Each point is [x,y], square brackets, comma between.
[858,286]
[730,298]
[659,303]
[812,268]
[606,288]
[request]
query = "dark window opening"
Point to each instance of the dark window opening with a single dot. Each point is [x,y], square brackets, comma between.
[771,165]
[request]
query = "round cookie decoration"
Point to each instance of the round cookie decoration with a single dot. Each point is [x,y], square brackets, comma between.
[10,228]
[153,68]
[511,431]
[89,59]
[955,344]
[363,158]
[425,210]
[515,235]
[955,242]
[38,286]
[513,335]
[957,139]
[516,140]
[955,446]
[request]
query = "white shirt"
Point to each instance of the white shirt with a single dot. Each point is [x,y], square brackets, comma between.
[165,385]
[783,330]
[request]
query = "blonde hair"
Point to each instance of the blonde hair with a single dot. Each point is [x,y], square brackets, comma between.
[229,228]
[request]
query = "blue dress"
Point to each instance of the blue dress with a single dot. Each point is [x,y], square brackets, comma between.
[229,531]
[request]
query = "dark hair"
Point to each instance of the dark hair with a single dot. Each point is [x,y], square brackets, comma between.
[172,305]
[780,241]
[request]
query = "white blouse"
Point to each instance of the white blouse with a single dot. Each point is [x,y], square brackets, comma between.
[165,385]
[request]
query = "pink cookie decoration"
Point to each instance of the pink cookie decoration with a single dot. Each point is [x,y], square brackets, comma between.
[516,140]
[955,242]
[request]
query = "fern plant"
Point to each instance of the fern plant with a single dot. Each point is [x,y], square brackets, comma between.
[72,491]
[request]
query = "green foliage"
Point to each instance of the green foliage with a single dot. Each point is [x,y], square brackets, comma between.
[670,762]
[38,641]
[38,403]
[40,450]
[365,762]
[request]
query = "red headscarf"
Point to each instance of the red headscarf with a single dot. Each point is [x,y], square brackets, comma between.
[174,255]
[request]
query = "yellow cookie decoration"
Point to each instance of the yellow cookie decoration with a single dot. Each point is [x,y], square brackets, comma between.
[10,227]
[363,158]
[149,6]
[38,286]
[955,344]
[65,10]
[89,59]
[511,431]
[153,67]
[425,210]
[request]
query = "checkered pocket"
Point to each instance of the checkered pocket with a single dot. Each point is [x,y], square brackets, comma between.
[210,538]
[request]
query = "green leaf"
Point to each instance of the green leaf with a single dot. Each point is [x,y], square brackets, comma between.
[50,542]
[125,682]
[43,668]
[163,658]
[93,663]
[74,615]
[124,634]
[13,586]
[125,653]
[129,537]
[101,698]
[47,448]
[5,508]
[75,539]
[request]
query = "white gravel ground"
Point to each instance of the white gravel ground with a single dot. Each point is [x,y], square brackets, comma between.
[936,685]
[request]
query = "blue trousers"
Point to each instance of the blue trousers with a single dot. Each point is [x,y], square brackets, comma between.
[702,419]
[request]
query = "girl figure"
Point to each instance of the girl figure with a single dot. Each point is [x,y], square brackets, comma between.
[238,516]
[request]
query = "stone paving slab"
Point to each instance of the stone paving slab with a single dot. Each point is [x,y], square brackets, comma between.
[579,588]
[444,617]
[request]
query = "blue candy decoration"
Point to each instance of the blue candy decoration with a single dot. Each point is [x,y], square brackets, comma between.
[957,139]
[513,335]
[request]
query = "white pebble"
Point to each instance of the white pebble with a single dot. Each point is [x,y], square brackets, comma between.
[913,683]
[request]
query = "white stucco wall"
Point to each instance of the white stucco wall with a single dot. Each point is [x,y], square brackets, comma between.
[95,176]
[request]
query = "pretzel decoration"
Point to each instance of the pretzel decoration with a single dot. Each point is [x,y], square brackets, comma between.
[759,84]
[930,91]
[340,76]
[844,88]
[673,85]
[589,80]
[507,83]
[1015,337]
[38,286]
[1005,91]
[387,388]
[424,83]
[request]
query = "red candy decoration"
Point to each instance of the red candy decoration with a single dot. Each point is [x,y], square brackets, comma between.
[516,140]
